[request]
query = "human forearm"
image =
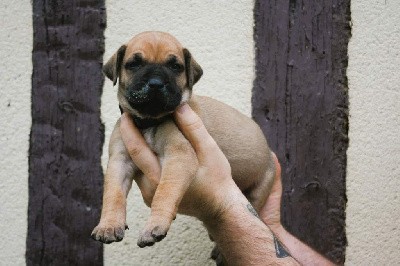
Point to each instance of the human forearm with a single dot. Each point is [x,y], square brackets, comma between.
[241,236]
[304,254]
[271,214]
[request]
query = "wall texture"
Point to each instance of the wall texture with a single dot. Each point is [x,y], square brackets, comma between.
[219,35]
[373,208]
[300,100]
[66,139]
[15,123]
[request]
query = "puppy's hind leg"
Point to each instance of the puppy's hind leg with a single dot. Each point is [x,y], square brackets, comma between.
[259,192]
[117,183]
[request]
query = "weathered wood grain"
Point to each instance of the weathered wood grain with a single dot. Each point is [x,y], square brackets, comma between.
[300,100]
[65,174]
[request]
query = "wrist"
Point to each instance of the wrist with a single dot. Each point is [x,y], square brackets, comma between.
[280,232]
[226,202]
[241,236]
[277,229]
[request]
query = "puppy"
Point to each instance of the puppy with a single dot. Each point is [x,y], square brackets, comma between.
[156,75]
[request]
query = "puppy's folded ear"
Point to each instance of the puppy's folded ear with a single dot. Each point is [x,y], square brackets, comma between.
[112,68]
[193,69]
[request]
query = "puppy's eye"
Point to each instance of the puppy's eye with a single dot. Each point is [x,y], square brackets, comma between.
[176,67]
[134,65]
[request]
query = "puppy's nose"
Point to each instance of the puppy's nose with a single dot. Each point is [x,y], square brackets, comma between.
[156,83]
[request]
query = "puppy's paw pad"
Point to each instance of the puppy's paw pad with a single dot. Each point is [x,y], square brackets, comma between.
[159,233]
[108,233]
[150,236]
[146,240]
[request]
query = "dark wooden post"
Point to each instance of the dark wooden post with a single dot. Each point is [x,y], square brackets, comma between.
[65,174]
[300,100]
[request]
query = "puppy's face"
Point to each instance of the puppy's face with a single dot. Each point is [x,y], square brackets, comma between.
[156,74]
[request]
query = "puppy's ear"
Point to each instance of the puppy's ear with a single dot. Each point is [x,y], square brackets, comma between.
[193,69]
[112,68]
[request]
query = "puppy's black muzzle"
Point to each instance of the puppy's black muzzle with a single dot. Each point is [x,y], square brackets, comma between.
[154,96]
[156,83]
[154,88]
[145,92]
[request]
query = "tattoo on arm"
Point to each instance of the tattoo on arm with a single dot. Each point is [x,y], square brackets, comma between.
[279,249]
[252,210]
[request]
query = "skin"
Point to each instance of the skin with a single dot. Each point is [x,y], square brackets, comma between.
[270,214]
[243,237]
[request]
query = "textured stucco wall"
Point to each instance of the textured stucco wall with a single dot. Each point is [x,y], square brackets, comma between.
[15,123]
[219,35]
[373,172]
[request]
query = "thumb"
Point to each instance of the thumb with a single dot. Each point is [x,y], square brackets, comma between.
[193,128]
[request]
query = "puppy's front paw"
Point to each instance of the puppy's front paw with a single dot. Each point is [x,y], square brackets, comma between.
[151,235]
[108,232]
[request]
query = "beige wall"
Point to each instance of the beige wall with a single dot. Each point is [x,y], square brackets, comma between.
[373,172]
[15,124]
[219,35]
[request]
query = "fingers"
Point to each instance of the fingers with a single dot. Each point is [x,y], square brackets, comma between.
[140,152]
[276,190]
[193,128]
[270,213]
[278,171]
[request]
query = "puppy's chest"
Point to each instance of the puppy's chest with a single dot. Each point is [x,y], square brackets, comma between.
[149,135]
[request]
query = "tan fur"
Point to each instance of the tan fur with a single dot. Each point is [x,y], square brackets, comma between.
[156,47]
[238,136]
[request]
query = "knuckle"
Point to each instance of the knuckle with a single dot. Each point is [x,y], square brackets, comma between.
[194,125]
[211,146]
[134,150]
[227,167]
[222,166]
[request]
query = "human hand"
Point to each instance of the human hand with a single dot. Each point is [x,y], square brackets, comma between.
[143,157]
[207,195]
[213,196]
[270,213]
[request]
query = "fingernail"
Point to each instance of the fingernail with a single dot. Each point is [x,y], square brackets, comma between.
[183,108]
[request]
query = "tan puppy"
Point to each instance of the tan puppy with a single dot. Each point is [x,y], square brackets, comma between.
[156,74]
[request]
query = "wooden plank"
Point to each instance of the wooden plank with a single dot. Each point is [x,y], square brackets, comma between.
[300,100]
[66,140]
